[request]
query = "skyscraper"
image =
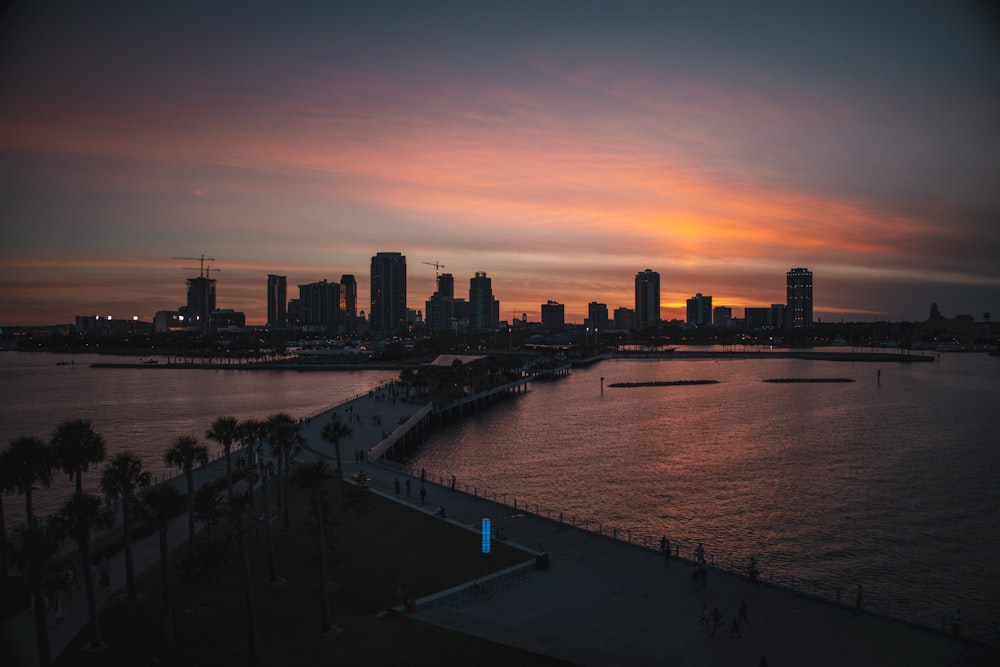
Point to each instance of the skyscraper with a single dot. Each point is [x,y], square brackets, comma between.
[388,293]
[440,308]
[799,304]
[277,300]
[349,303]
[484,308]
[597,316]
[200,302]
[647,299]
[553,316]
[699,311]
[319,306]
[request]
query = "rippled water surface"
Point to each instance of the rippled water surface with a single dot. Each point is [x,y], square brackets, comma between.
[892,484]
[144,410]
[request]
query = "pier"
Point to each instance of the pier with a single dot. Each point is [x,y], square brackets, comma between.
[587,594]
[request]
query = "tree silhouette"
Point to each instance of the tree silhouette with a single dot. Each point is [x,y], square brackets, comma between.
[335,431]
[249,432]
[35,546]
[77,445]
[286,441]
[241,514]
[161,503]
[80,516]
[6,484]
[314,476]
[120,480]
[31,462]
[184,454]
[225,431]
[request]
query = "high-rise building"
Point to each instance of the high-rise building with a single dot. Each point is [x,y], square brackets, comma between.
[200,302]
[485,309]
[349,303]
[440,308]
[597,316]
[799,304]
[699,311]
[319,306]
[624,318]
[647,299]
[722,316]
[388,293]
[277,300]
[553,316]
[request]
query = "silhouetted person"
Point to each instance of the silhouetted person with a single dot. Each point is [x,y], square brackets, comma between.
[395,483]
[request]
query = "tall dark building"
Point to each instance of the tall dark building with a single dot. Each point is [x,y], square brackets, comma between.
[349,303]
[319,306]
[277,300]
[597,316]
[200,302]
[799,304]
[699,311]
[388,293]
[485,309]
[647,299]
[440,308]
[553,316]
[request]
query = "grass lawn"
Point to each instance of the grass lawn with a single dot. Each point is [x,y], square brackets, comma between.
[372,556]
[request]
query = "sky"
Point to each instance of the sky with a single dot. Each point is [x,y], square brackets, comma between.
[560,147]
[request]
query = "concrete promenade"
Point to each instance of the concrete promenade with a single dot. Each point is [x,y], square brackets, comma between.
[600,601]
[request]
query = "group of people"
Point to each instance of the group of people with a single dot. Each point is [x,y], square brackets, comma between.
[713,622]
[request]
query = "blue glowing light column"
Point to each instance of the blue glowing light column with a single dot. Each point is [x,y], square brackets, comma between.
[486,537]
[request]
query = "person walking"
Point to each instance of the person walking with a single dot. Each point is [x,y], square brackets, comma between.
[716,619]
[743,613]
[407,487]
[423,495]
[395,483]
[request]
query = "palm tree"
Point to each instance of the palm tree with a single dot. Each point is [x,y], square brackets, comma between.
[35,547]
[30,461]
[286,441]
[184,454]
[6,484]
[238,508]
[226,431]
[249,432]
[334,432]
[120,479]
[314,476]
[77,445]
[161,503]
[80,516]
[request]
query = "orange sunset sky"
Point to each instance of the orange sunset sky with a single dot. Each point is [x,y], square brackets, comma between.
[561,147]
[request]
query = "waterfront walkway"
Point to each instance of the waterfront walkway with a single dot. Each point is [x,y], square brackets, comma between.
[599,602]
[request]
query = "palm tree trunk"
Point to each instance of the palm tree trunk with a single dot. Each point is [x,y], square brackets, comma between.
[251,606]
[4,554]
[271,570]
[190,483]
[41,626]
[321,543]
[229,472]
[127,540]
[88,581]
[287,517]
[340,466]
[165,611]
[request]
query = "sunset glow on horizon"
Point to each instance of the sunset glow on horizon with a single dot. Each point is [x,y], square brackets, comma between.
[559,147]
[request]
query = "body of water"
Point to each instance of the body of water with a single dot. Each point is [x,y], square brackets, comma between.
[889,481]
[144,410]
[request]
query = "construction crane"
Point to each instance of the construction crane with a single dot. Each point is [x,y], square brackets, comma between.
[203,271]
[437,266]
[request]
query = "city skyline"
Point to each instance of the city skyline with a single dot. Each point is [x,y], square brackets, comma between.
[558,147]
